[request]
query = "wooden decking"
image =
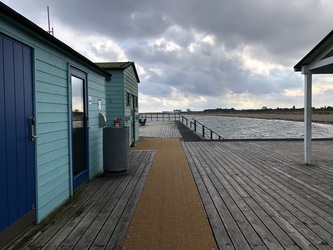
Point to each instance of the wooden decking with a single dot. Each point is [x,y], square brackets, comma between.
[96,217]
[159,129]
[256,194]
[260,195]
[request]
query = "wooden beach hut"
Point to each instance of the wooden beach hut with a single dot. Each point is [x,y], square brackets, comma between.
[51,140]
[122,97]
[318,61]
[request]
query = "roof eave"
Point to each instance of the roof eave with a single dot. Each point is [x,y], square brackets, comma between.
[315,51]
[15,16]
[125,65]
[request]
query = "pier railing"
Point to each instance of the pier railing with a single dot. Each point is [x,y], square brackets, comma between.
[201,129]
[160,116]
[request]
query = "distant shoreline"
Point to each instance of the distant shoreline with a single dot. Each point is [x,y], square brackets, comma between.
[318,118]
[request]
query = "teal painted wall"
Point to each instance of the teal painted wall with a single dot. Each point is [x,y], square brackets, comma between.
[96,90]
[123,82]
[53,149]
[115,98]
[131,86]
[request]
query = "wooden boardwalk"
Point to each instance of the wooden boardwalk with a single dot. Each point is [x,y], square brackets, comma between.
[159,129]
[256,194]
[98,214]
[259,195]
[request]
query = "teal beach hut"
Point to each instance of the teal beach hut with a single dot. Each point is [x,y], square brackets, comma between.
[51,141]
[122,97]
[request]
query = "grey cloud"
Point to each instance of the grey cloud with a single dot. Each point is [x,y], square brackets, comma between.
[278,32]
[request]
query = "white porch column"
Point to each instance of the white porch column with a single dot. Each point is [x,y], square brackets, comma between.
[307,113]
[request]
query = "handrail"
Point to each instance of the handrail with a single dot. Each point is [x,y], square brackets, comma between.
[210,134]
[155,116]
[184,118]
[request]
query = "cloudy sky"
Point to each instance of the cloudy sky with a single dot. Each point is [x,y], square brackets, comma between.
[194,54]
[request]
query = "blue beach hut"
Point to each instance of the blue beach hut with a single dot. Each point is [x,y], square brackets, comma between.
[51,139]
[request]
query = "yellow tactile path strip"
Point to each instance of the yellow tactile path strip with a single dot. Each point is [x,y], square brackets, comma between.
[169,214]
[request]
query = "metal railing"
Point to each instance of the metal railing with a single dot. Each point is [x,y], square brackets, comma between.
[184,119]
[160,116]
[201,129]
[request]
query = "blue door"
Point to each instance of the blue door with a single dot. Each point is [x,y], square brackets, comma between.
[17,149]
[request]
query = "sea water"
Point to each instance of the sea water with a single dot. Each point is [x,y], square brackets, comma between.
[251,128]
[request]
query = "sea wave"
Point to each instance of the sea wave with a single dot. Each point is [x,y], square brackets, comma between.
[252,128]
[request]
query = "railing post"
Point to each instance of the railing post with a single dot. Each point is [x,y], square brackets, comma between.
[211,134]
[203,131]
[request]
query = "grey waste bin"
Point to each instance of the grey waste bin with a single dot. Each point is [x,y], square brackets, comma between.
[115,150]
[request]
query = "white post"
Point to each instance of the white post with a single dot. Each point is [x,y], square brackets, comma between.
[307,113]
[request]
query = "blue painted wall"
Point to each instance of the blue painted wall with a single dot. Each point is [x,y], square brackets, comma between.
[51,89]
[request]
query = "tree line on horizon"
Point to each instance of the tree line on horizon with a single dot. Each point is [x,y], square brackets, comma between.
[265,109]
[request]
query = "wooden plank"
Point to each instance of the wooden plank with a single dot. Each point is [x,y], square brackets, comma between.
[159,130]
[250,173]
[234,232]
[261,236]
[71,222]
[302,187]
[89,217]
[80,215]
[41,233]
[110,224]
[119,233]
[299,196]
[220,233]
[102,215]
[277,190]
[74,219]
[244,202]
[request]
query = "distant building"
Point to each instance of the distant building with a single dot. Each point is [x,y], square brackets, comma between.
[177,110]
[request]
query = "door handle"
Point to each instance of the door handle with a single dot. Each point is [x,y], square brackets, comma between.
[33,136]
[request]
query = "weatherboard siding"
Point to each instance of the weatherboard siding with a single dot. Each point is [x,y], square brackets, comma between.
[131,86]
[115,97]
[52,128]
[123,81]
[52,112]
[131,83]
[96,90]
